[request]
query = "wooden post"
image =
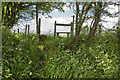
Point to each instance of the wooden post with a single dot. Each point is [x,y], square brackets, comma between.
[55,29]
[28,28]
[73,19]
[25,29]
[67,34]
[36,18]
[39,26]
[73,25]
[57,34]
[18,31]
[71,28]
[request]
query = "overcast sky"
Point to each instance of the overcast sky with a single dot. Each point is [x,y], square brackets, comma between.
[47,24]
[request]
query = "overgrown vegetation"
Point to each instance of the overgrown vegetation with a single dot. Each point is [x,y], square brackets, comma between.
[21,55]
[91,53]
[25,57]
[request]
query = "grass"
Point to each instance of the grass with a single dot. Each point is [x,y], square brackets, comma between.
[23,56]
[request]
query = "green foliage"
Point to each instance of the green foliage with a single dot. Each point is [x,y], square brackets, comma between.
[21,56]
[13,11]
[97,61]
[26,57]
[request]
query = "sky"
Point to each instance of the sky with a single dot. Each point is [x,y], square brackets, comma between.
[47,24]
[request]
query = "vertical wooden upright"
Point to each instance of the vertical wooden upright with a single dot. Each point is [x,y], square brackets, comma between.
[57,34]
[18,31]
[36,18]
[28,28]
[72,26]
[71,29]
[55,29]
[67,34]
[39,26]
[25,29]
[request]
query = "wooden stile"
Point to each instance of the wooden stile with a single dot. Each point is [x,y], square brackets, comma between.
[71,25]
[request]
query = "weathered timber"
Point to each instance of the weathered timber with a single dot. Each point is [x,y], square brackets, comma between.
[63,32]
[55,29]
[63,24]
[25,29]
[72,28]
[58,24]
[67,34]
[28,28]
[18,30]
[39,26]
[57,34]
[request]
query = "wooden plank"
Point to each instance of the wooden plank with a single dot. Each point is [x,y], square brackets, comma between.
[37,18]
[55,29]
[67,34]
[18,30]
[72,27]
[25,29]
[57,34]
[63,24]
[28,28]
[39,26]
[63,32]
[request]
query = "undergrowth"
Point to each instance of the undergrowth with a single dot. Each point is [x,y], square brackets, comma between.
[23,56]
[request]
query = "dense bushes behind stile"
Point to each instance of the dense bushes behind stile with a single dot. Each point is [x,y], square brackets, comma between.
[21,55]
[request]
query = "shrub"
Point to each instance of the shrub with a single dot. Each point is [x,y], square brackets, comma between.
[21,56]
[97,61]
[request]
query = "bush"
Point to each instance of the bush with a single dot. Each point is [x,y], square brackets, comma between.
[21,56]
[97,61]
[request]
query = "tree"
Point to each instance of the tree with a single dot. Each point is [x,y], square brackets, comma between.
[100,9]
[97,15]
[80,18]
[13,11]
[89,10]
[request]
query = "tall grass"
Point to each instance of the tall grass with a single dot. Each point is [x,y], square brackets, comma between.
[23,56]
